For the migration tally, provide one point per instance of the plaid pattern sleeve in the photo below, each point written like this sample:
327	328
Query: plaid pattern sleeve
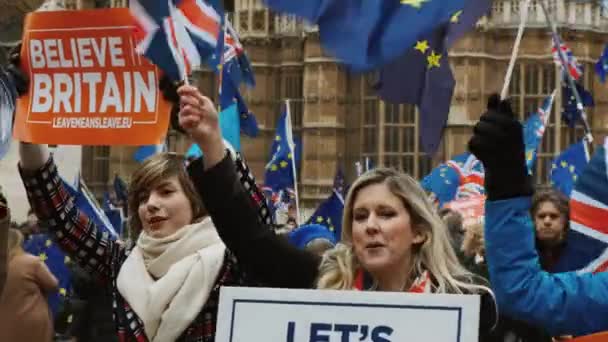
73	230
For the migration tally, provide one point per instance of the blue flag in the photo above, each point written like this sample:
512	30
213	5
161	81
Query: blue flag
570	114
567	167
144	152
279	170
42	246
442	182
301	236
114	214
369	33
329	213
534	129
423	76
85	201
587	241
601	66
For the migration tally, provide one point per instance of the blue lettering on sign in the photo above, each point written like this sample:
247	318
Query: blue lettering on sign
321	332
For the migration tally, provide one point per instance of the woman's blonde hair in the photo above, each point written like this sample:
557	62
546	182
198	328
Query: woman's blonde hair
151	173
15	243
435	254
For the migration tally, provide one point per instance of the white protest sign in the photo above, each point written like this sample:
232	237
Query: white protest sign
285	315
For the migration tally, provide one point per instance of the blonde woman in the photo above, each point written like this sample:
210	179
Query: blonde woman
24	311
392	238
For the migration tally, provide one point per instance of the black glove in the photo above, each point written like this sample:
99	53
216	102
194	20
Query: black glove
498	143
20	80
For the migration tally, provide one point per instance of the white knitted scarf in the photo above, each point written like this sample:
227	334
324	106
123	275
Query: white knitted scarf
167	281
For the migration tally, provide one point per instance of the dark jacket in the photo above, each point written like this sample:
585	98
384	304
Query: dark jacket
260	251
102	257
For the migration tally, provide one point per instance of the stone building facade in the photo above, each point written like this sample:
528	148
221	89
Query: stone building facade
341	120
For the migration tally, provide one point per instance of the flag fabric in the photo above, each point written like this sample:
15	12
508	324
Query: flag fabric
235	61
144	152
303	235
570	62
459	178
329	212
442	183
43	246
534	129
279	170
365	34
248	122
567	167
587	241
470	173
120	190
175	35
85	201
570	112
601	66
114	214
423	76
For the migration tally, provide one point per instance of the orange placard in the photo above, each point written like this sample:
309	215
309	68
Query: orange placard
88	86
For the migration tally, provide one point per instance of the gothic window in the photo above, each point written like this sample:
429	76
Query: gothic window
95	168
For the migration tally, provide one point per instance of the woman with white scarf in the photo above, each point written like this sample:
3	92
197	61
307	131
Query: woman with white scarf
165	286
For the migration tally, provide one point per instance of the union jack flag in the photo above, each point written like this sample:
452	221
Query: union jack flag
176	35
534	129
471	175
570	61
586	249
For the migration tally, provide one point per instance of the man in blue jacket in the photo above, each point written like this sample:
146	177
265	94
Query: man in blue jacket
563	303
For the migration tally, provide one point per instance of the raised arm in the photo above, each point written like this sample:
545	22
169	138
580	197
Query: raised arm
563	304
266	256
73	230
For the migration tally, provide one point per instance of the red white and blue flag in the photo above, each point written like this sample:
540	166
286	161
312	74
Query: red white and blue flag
570	61
586	249
177	34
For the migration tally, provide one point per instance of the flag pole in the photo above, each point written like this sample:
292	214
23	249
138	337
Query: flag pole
579	104
290	143
520	33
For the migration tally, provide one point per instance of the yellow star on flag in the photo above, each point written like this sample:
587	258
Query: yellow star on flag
434	60
564	164
48	243
571	168
63	292
66	260
456	17
422	46
331	228
288	155
274	167
43	256
277	138
319	219
284	164
414	3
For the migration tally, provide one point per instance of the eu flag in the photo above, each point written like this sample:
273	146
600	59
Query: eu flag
567	167
442	182
601	67
42	246
280	168
144	152
368	33
423	76
329	213
570	113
